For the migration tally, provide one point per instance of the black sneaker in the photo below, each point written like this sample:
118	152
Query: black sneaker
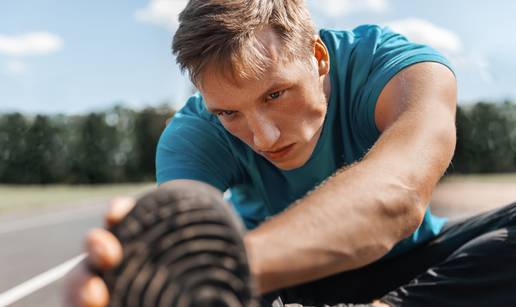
182	248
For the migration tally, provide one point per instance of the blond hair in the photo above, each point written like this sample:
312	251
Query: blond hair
224	33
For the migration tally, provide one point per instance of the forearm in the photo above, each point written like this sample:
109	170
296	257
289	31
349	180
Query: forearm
329	231
355	217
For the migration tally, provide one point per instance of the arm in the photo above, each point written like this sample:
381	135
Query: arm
361	212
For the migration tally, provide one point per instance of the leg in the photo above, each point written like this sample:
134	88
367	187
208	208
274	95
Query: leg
480	273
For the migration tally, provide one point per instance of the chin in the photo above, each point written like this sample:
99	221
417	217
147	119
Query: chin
290	165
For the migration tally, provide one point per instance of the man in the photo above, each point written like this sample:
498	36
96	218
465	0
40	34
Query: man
349	130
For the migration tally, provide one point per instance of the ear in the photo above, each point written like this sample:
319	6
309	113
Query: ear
322	56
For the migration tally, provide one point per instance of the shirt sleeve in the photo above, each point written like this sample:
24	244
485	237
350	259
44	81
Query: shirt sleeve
192	147
380	54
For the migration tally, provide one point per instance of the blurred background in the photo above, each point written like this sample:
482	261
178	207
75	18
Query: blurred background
87	86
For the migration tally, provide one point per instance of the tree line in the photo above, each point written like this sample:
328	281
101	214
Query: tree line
486	138
119	145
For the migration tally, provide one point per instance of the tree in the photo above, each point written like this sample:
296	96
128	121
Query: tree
484	139
44	152
93	151
149	125
14	149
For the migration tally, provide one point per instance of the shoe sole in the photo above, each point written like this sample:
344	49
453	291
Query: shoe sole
181	248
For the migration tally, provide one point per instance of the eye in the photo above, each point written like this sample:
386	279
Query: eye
275	95
225	113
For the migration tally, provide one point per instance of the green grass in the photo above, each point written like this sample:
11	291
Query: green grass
25	196
32	196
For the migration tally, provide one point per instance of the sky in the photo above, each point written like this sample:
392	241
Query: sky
80	56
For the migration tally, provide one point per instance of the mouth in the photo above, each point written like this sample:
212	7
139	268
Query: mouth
278	154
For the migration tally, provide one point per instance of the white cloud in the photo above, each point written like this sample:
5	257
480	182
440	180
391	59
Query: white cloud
16	67
337	8
446	41
474	64
162	13
422	31
165	12
30	44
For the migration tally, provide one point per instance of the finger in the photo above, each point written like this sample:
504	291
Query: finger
93	293
84	289
104	249
118	209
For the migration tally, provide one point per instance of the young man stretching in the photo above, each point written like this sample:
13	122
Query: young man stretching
349	130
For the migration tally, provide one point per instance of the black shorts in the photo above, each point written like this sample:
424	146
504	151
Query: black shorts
472	262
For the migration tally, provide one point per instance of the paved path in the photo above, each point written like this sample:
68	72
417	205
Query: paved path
458	199
34	244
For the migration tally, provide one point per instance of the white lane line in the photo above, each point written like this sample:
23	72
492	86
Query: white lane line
14	294
49	219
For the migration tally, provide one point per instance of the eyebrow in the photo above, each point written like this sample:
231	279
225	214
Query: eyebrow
274	87
215	111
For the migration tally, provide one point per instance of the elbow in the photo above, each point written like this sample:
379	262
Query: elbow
403	213
414	214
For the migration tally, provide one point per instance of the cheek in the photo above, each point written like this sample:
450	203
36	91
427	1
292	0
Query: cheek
311	124
318	108
318	114
311	112
239	130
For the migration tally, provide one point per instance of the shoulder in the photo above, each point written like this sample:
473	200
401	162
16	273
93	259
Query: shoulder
193	120
195	146
363	61
359	35
195	109
372	43
428	88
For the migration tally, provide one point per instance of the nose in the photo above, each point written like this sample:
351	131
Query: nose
265	132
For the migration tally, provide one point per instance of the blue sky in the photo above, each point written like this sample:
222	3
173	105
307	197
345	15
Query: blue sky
77	56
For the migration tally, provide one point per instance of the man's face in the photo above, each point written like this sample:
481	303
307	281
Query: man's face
280	115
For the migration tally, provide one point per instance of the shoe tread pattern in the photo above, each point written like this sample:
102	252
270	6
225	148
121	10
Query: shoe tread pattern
180	249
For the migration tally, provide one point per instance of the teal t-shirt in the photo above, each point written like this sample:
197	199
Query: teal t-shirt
196	146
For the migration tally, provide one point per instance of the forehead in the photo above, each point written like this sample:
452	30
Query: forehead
248	61
216	80
221	92
219	86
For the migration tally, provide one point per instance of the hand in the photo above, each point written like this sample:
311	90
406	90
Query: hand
104	252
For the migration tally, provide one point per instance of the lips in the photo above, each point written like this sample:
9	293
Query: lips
277	154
